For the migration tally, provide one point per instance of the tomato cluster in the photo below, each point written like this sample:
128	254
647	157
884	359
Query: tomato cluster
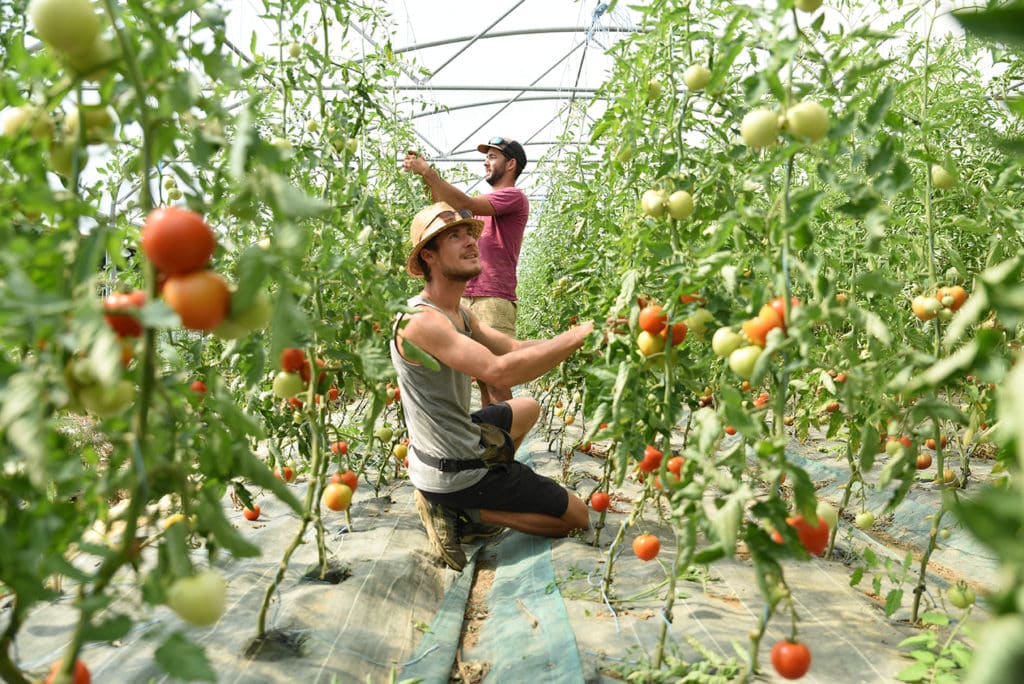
941	305
655	330
179	243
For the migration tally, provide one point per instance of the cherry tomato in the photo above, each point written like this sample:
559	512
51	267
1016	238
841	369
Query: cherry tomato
79	675
599	501
652	319
252	513
201	299
177	240
646	547
119	307
791	659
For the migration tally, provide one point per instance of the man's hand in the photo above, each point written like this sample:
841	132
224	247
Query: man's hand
414	163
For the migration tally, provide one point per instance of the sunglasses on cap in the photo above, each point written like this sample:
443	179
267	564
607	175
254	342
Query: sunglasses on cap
497	141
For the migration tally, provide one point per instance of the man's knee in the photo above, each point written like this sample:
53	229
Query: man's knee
576	516
525	412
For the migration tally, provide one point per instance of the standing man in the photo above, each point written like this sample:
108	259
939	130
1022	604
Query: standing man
462	492
504	211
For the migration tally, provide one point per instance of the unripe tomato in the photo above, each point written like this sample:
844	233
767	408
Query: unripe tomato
725	341
177	240
200	599
653	203
201	299
760	128
68	25
680	204
807	121
743	360
400	451
960	595
599	501
807	5
791	659
864	520
287	385
941	178
649	344
336	496
697	77
653	89
828	512
646	547
27	118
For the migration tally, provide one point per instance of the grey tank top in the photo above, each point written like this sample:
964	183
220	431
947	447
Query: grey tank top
436	405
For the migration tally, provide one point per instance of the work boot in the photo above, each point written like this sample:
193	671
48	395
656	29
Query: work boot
474	531
442	525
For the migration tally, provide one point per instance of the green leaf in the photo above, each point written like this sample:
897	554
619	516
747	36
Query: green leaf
183	659
932	618
417	355
892	601
913	673
109	630
1002	24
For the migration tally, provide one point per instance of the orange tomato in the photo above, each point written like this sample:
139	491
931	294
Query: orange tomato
646	547
652	319
201	299
679	331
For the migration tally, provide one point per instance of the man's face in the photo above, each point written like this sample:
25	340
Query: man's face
458	258
495	164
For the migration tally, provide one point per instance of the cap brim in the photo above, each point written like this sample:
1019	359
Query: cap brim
412	266
484	147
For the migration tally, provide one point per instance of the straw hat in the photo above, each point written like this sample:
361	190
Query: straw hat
432	221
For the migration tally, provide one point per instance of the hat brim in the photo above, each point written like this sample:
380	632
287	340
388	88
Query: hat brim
412	266
483	147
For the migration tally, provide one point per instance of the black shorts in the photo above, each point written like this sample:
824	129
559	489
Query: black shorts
510	486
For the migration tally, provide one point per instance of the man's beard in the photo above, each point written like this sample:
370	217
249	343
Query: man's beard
495	176
461	275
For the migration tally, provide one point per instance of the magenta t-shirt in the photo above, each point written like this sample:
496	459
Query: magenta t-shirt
499	245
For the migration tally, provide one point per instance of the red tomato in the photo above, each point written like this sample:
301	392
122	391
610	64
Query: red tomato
202	299
780	307
814	538
652	459
791	659
652	319
646	547
119	307
679	331
199	387
339	448
79	675
332	394
730	430
177	240
687	299
924	460
348	478
252	513
289	474
599	501
675	465
293	360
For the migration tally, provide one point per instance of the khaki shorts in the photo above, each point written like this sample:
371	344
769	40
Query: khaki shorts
498	313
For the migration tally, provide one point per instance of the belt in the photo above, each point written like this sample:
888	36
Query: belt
451	465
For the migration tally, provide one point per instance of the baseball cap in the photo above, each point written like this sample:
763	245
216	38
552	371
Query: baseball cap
432	220
509	148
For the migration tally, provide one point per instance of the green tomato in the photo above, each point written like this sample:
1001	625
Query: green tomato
864	520
653	203
760	128
960	595
200	599
829	513
653	89
725	341
68	25
941	178
743	360
697	322
29	119
384	434
107	401
697	77
807	121
287	385
807	5
680	204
